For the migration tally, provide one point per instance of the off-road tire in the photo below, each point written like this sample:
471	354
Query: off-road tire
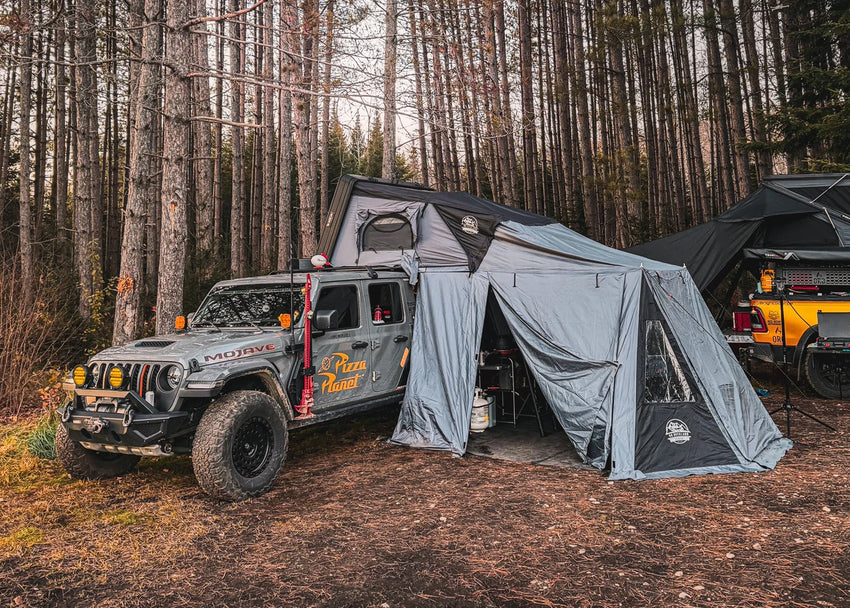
240	445
82	463
824	376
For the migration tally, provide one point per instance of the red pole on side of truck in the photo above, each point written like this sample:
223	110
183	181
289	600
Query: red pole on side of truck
305	408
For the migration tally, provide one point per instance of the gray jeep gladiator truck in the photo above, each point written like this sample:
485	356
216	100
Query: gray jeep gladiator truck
227	388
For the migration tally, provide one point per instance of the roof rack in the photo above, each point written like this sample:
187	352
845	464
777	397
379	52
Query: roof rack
338	269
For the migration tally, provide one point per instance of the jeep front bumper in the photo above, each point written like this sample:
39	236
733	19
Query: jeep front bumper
120	421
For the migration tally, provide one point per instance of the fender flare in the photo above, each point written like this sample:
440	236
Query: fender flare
809	336
266	374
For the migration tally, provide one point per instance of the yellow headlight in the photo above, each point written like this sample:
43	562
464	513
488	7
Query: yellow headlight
116	377
80	375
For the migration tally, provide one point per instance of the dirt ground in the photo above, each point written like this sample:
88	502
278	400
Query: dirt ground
354	521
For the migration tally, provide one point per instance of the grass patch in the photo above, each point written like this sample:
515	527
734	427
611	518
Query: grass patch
20	469
125	518
42	442
22	539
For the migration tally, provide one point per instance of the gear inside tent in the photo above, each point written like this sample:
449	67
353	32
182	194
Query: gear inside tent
620	350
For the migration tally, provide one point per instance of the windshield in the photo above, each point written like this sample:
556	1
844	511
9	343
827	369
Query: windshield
249	305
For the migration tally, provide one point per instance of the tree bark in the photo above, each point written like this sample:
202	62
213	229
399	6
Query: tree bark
142	184
529	130
420	109
86	187
238	260
269	218
731	46
589	198
288	23
24	178
202	140
324	194
175	176
60	162
303	136
388	165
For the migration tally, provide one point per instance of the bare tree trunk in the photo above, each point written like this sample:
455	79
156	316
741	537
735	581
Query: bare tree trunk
589	198
142	184
86	190
5	147
175	177
238	261
218	175
764	162
303	136
498	117
628	153
731	46
529	131
689	114
60	162
202	161
25	196
288	22
388	168
717	96
499	12
324	194
420	109
268	220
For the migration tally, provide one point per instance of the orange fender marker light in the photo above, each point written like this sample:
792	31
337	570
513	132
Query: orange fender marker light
285	320
180	323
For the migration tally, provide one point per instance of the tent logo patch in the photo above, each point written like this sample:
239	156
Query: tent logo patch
469	225
677	431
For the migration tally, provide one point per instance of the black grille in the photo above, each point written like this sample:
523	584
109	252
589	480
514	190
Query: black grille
139	377
154	343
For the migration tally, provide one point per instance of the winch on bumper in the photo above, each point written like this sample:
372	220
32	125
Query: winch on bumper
120	421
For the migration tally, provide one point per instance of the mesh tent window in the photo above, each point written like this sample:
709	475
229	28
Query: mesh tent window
391	231
664	378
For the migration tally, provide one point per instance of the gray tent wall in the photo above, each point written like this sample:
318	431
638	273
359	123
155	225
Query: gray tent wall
578	311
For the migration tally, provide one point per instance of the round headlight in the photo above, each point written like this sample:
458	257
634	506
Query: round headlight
173	375
80	375
116	377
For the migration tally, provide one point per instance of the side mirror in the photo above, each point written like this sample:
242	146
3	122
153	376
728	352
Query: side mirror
324	320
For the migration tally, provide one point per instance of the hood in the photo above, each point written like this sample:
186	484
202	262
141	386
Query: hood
205	346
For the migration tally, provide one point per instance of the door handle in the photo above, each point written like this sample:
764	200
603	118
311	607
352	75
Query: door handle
398	339
359	344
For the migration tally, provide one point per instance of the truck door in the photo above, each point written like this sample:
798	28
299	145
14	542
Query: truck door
341	355
390	329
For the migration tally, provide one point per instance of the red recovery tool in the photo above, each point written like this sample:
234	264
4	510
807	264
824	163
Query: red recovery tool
305	408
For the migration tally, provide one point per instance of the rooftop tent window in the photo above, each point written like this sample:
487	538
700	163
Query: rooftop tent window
664	377
387	232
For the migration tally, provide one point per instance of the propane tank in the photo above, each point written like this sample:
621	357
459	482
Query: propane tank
482	414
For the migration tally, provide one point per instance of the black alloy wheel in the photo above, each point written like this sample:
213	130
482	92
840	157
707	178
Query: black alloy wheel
240	445
252	446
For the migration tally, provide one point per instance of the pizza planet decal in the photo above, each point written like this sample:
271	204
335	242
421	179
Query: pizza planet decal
340	373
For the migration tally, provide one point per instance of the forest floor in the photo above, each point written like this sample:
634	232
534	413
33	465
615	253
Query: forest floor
354	521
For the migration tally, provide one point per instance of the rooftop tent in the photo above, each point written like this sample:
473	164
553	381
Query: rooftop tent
623	348
802	216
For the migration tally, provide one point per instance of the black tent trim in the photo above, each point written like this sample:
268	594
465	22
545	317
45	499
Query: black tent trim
453	207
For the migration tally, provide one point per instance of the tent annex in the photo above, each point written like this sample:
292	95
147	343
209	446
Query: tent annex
623	348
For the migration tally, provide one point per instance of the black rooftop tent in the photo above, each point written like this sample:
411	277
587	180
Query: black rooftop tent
623	348
797	217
